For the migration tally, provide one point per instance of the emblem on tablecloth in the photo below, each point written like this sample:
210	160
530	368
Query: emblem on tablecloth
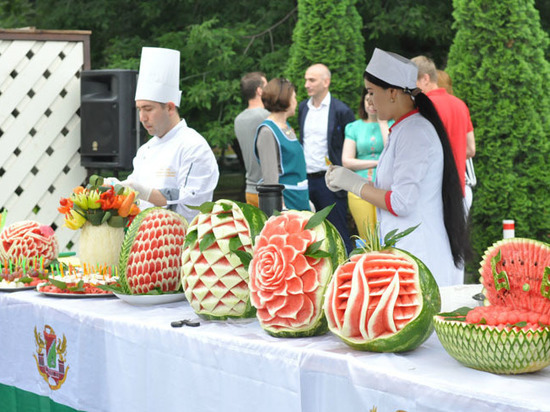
50	357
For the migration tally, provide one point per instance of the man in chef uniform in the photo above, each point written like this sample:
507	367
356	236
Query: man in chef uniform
176	168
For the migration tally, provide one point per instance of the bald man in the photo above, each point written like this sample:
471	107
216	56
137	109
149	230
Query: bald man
323	119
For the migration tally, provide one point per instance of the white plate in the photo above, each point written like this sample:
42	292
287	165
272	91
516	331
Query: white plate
151	299
17	289
77	295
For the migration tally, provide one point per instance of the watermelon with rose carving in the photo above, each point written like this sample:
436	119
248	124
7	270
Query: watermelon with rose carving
150	256
28	239
216	256
294	259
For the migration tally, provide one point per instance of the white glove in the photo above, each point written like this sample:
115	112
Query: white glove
144	192
340	178
111	181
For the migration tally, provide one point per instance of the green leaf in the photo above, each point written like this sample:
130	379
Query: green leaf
106	217
318	217
314	251
457	314
190	238
206	207
112	287
207	241
224	215
25	279
318	255
226	206
500	279
78	288
235	243
521	324
117	221
95	216
61	285
545	283
392	237
96	180
245	257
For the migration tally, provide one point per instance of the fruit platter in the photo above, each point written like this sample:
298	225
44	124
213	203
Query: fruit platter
20	275
79	282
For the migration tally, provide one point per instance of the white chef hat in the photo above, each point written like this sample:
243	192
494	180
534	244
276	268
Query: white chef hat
393	69
159	75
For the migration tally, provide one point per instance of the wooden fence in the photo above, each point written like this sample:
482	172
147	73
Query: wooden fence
40	124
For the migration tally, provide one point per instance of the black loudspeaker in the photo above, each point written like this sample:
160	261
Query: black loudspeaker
110	128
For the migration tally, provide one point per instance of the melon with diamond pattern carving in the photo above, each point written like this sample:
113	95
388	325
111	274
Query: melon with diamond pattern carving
217	251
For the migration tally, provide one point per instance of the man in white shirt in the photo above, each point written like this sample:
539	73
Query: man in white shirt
176	168
323	119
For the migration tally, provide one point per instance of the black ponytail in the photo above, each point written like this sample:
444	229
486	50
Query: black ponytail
454	215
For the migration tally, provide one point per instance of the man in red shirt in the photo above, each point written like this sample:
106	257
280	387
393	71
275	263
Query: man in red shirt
453	113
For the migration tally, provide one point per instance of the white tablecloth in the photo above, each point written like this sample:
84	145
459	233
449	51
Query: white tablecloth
128	358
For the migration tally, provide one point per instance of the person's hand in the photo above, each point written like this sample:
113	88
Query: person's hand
111	181
340	178
144	192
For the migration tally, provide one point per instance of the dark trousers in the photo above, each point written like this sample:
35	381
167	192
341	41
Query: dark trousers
321	196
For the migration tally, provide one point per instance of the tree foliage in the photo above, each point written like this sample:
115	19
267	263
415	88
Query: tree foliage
497	62
329	33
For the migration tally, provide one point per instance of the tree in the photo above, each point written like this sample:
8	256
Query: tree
497	62
408	27
330	33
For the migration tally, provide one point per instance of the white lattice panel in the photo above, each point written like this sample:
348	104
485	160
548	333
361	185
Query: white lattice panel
40	130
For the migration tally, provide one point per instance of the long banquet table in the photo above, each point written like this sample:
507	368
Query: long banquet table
120	357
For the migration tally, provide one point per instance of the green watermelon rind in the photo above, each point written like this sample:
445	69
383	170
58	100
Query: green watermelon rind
255	220
415	332
490	349
334	245
128	242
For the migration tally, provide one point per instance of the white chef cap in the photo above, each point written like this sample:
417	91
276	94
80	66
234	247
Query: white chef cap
393	69
159	76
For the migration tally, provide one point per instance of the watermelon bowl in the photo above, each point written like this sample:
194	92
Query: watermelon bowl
511	333
494	349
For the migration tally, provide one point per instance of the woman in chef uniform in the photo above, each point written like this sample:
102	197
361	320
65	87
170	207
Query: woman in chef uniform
176	167
416	181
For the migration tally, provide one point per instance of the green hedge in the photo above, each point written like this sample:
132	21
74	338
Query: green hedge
498	66
330	33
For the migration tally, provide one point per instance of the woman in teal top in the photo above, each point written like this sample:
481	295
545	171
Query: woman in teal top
279	152
365	140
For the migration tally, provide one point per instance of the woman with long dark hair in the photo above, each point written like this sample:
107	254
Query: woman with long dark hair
417	182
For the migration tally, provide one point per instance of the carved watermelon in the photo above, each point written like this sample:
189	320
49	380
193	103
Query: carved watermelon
382	301
28	239
294	259
512	334
215	260
150	256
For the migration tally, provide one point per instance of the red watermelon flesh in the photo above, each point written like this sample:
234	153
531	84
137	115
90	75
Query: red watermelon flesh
154	258
521	266
374	295
215	279
28	239
287	285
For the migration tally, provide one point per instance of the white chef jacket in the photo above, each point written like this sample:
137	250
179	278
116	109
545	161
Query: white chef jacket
411	167
181	159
